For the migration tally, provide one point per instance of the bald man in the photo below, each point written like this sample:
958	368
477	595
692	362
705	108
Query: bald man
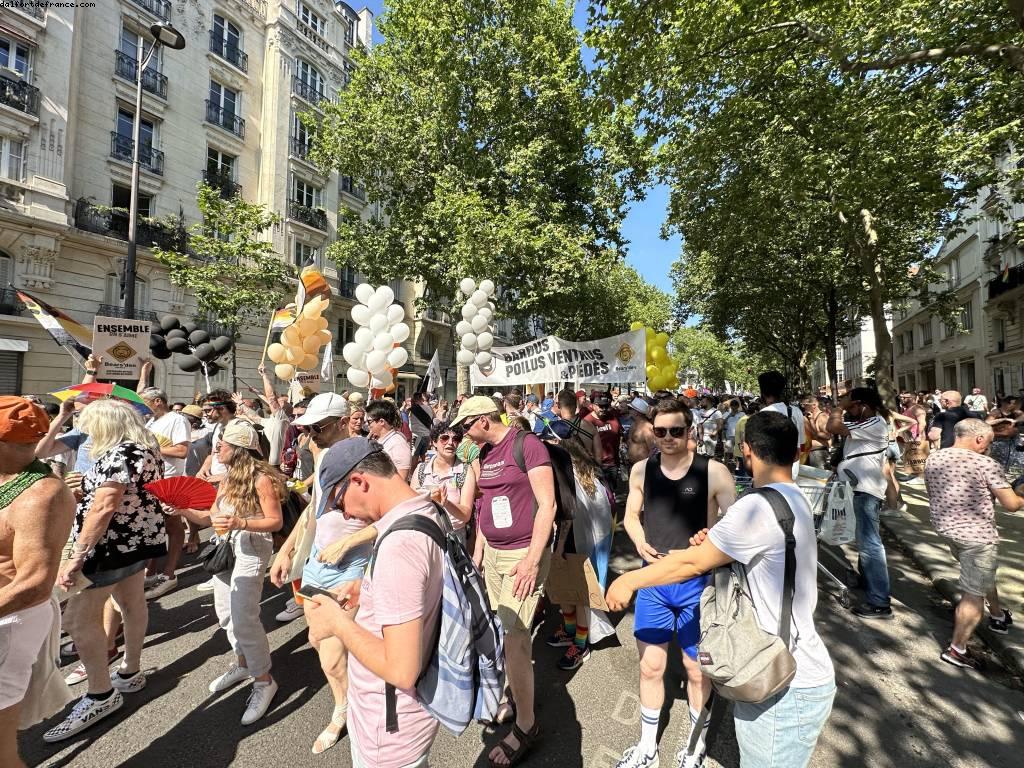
941	434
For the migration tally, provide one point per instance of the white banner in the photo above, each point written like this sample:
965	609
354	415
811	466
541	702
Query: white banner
121	343
615	360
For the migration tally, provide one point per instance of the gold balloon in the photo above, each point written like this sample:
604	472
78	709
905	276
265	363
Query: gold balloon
276	353
311	344
322	323
312	308
307	326
324	336
294	355
309	363
284	372
290	336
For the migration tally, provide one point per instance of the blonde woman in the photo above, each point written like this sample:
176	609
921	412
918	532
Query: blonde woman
355	422
119	526
247	511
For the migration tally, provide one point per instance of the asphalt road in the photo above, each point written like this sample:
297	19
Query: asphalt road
897	704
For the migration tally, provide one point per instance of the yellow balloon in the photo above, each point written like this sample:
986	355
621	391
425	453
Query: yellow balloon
324	336
636	325
668	370
276	352
656	383
311	344
650	334
312	308
658	354
662	339
309	363
284	372
322	323
294	355
307	326
290	336
652	372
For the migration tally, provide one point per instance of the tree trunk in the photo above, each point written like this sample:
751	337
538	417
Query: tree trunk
234	359
883	339
831	341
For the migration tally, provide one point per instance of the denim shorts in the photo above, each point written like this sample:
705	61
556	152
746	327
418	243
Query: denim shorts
978	563
109	578
331	576
782	731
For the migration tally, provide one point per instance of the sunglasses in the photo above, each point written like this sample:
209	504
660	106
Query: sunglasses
316	429
447	438
674	431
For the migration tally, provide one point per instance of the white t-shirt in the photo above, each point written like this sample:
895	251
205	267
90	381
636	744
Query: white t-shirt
731	420
712	422
795	415
977	403
750	534
397	447
175	428
217	467
870	437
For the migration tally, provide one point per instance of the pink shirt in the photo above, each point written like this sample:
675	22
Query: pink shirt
426	476
405	585
397	447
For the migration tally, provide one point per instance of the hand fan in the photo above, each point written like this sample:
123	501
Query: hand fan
163	440
183	492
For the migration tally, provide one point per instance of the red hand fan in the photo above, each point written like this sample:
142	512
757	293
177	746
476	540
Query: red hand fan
183	492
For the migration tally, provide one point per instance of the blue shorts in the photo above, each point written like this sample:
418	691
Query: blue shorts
661	612
331	576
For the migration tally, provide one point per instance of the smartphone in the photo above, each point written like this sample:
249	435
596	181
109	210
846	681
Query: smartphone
308	591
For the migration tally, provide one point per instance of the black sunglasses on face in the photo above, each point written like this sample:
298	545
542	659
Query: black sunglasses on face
318	428
674	431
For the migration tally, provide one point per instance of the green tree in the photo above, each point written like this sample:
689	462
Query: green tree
715	360
468	125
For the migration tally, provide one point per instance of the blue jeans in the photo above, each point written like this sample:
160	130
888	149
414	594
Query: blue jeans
871	552
782	731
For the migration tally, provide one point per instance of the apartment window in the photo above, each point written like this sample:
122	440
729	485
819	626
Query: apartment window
131	42
926	333
346	333
304	254
949	376
220	162
312	81
306	194
999	332
350	30
224	99
899	344
125	120
121	198
227	33
310	19
967	380
15	55
908	341
303	136
12	157
428	344
112	291
967	317
953	272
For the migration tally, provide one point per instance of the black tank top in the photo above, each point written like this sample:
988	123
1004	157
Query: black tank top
674	510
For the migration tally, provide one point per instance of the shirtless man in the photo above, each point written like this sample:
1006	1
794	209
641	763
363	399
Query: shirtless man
817	420
36	512
640	442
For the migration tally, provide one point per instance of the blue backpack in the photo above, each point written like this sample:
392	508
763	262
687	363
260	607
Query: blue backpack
465	677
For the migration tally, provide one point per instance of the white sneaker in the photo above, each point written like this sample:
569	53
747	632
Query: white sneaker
230	679
161	586
86	712
291	612
259	701
206	586
696	760
132	684
634	758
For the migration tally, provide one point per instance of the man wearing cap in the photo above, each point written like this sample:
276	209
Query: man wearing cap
517	515
383	423
36	513
219	409
609	437
640	440
390	639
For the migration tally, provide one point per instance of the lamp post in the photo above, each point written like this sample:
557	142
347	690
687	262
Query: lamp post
163	34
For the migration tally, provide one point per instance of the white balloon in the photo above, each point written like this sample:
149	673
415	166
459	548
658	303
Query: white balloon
467	286
353	354
486	313
464	357
382	381
398	357
487	286
363	292
469	342
385	295
492	306
479	298
400	332
378	323
483	359
376	304
396	313
383	341
485	341
462	328
376	361
358	377
360	314
363	338
469	311
479	323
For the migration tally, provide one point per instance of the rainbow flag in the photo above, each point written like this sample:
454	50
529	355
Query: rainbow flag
1006	271
312	284
282	318
67	332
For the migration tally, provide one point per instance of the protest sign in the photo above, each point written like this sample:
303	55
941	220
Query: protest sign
572	581
122	344
308	380
613	360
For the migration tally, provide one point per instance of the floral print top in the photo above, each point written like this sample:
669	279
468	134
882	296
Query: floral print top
136	531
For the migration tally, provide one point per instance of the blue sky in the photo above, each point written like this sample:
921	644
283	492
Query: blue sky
651	255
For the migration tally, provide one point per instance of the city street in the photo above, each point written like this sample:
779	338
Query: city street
897	704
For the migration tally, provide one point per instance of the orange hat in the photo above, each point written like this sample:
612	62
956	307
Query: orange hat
22	421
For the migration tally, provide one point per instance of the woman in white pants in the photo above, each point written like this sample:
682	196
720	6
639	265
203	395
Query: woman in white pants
248	511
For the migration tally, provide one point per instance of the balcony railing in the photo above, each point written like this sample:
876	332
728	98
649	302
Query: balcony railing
9	302
21	96
312	35
300	147
308	92
313	217
348	186
1014	279
222	180
30	8
113	310
159	8
150	159
347	289
224	118
113	222
228	51
213	328
154	82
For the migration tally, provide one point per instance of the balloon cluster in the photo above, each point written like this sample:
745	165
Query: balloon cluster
662	370
375	353
195	347
299	347
476	328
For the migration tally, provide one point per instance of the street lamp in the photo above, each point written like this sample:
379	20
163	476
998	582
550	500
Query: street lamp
163	34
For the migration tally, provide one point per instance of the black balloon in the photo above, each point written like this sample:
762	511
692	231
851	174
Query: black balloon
222	344
169	323
177	333
212	369
198	337
156	341
161	353
189	326
177	343
188	363
205	352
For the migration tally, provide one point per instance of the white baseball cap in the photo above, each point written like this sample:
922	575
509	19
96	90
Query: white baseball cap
327	405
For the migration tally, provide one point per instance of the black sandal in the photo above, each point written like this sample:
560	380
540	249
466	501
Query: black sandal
506	714
517	755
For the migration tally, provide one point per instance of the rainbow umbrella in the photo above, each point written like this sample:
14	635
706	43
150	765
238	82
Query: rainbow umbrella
107	390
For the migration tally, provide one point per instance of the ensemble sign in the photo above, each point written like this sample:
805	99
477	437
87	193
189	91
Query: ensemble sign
123	345
614	360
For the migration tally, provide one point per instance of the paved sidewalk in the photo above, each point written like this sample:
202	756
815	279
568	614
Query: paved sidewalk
914	531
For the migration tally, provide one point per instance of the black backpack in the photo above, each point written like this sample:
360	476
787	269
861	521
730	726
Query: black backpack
561	468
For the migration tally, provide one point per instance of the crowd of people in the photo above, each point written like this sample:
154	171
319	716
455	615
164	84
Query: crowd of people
307	494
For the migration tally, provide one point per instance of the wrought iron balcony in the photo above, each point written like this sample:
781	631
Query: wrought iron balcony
225	118
150	159
347	289
222	180
308	92
21	96
300	147
113	222
113	310
997	286
313	217
312	35
154	82
30	8
159	8
228	51
347	185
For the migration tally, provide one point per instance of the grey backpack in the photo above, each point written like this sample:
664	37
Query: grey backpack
744	662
